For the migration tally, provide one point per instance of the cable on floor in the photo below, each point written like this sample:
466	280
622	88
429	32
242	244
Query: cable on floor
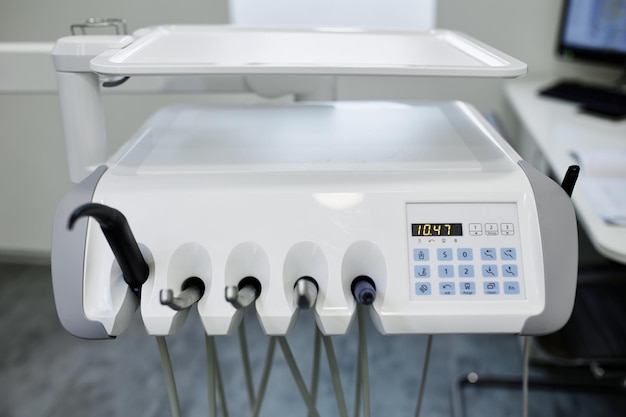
245	358
297	376
525	365
267	367
420	396
315	372
214	379
363	369
168	372
335	375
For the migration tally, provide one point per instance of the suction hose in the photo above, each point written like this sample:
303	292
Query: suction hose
121	240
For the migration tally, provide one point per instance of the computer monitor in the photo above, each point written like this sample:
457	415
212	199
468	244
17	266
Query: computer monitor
594	31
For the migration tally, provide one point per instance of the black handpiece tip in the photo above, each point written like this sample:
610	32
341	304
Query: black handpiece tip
364	290
367	296
569	181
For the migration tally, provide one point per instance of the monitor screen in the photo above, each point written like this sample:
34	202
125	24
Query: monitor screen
593	30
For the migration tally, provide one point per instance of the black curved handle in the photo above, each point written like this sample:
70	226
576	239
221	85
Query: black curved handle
121	240
569	181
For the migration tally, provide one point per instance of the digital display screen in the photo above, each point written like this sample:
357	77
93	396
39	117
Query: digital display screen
595	25
593	30
437	229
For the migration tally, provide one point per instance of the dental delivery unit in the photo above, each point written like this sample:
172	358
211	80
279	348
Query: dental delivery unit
419	210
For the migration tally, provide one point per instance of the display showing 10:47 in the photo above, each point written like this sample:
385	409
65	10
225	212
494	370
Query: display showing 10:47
437	229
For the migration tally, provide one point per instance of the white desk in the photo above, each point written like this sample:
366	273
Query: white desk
557	128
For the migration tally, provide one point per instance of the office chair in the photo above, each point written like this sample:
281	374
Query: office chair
595	335
588	355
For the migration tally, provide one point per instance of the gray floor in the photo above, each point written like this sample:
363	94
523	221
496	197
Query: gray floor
46	372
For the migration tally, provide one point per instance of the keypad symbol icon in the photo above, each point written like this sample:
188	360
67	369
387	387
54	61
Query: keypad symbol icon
422	289
488	254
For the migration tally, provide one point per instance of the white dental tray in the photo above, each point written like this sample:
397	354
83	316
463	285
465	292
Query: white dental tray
203	49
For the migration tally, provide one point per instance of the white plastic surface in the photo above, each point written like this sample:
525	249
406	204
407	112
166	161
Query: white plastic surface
259	199
72	53
83	122
330	137
188	49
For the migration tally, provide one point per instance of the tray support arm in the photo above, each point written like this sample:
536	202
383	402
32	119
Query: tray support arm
81	106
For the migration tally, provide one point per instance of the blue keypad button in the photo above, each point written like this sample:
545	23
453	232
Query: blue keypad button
446	271
444	254
422	289
508	254
446	288
464	254
509	271
420	255
491	288
421	271
466	271
511	287
490	271
488	254
467	288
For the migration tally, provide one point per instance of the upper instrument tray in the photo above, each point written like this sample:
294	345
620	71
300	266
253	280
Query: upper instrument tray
199	49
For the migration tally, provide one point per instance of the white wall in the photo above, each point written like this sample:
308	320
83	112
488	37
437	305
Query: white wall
33	174
42	20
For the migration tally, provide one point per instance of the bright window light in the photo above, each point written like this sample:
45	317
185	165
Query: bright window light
379	14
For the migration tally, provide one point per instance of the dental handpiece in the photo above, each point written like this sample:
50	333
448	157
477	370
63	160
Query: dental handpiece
244	294
305	292
364	290
192	291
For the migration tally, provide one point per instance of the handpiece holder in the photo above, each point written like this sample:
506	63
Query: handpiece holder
121	240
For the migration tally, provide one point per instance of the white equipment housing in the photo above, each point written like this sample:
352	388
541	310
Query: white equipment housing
425	198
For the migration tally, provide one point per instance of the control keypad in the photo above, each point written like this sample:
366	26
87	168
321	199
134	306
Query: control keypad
449	272
483	263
